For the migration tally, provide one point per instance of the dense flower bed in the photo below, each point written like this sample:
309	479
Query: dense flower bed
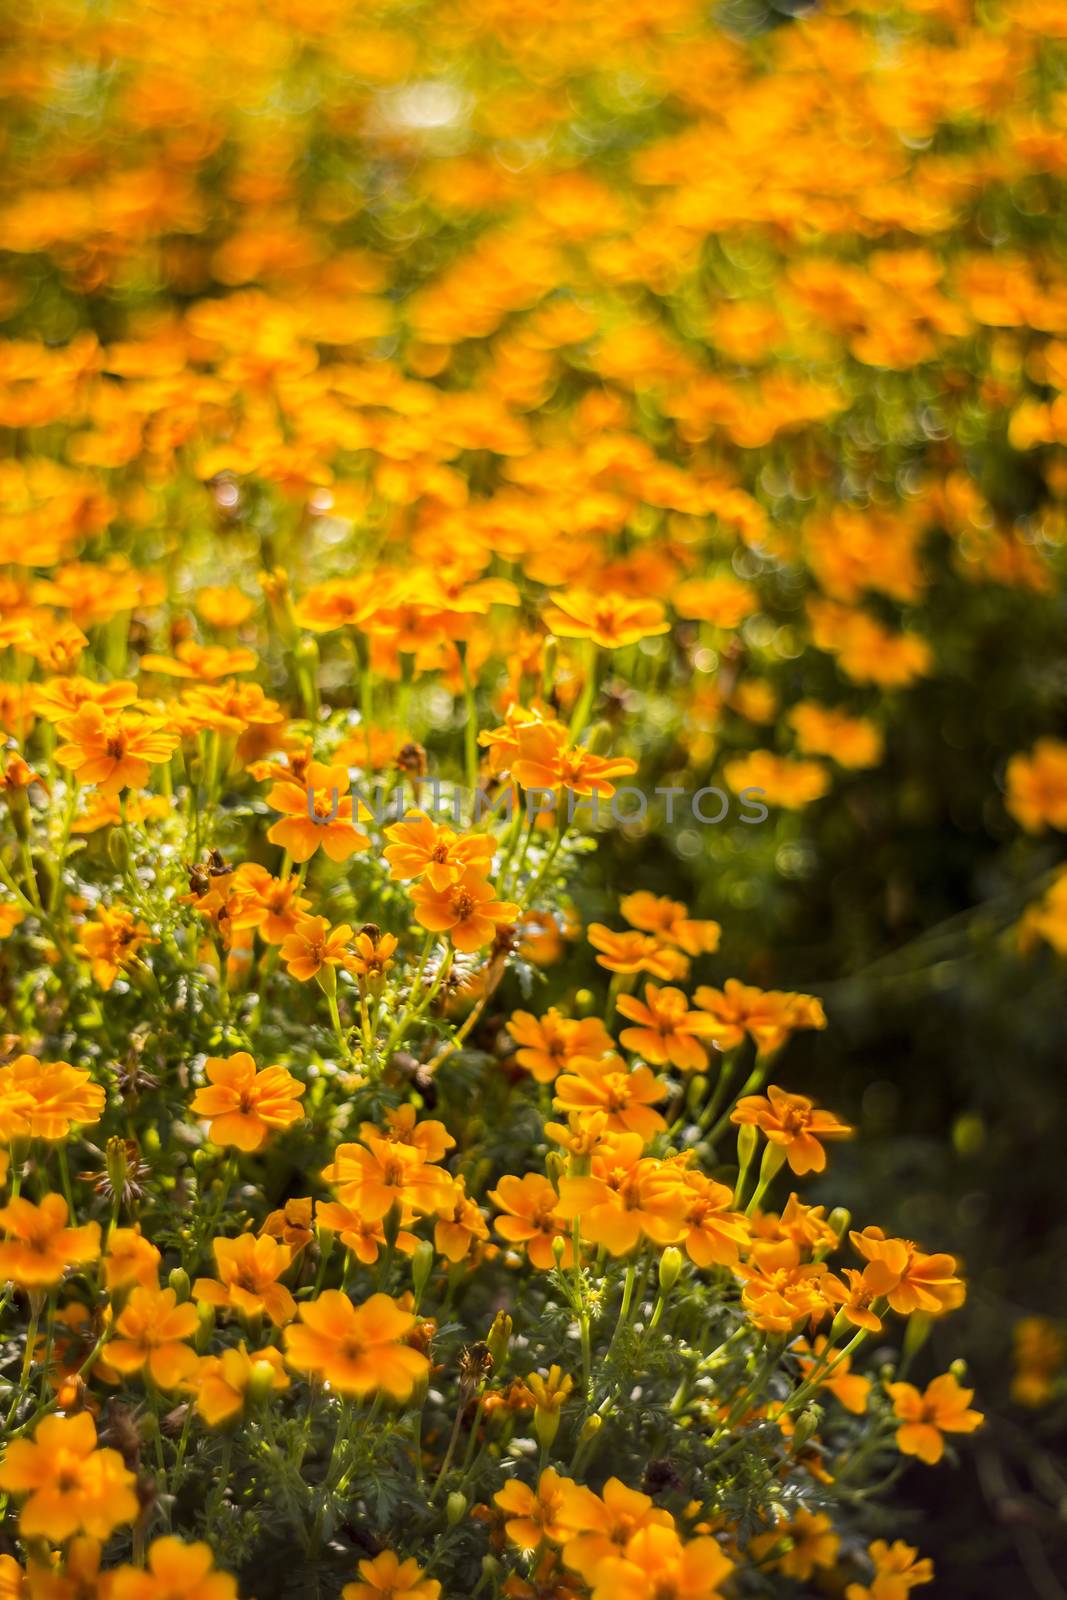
448	448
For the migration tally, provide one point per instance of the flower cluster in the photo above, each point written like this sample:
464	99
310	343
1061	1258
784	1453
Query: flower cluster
473	402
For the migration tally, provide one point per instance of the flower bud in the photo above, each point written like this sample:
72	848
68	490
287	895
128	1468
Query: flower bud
559	1250
670	1265
179	1282
206	1327
118	849
546	1425
421	1267
807	1425
694	1095
455	1508
590	1428
839	1220
260	1382
499	1338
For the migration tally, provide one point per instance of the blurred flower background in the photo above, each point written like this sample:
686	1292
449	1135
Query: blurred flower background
699	373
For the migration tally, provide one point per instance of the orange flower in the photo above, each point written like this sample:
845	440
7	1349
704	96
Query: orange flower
610	620
598	1526
850	1388
374	1176
115	751
130	1259
863	1288
791	1120
668	1030
627	1096
389	1578
244	1106
669	919
656	1565
365	1237
314	947
544	762
113	942
430	850
766	1015
897	1568
944	1407
316	812
467	910
249	1268
270	905
626	1197
812	1543
72	1487
715	1232
922	1283
1037	786
532	1517
222	1382
779	780
356	1349
551	1043
205	661
43	1099
150	1331
459	1224
636	952
175	1571
532	1219
39	1246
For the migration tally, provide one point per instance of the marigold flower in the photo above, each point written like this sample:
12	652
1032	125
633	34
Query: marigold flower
371	956
792	1121
467	910
38	1246
715	1233
924	1283
668	1030
780	780
543	761
374	1176
71	1486
598	1526
897	1569
626	1095
551	1043
364	1236
356	1349
130	1259
316	812
222	1382
149	1332
313	947
270	905
44	1099
669	919
245	1106
766	1015
113	941
421	848
389	1578
175	1571
532	1219
813	1544
625	1198
114	750
610	620
636	952
532	1515
459	1224
249	1268
1037	786
943	1407
655	1562
850	1388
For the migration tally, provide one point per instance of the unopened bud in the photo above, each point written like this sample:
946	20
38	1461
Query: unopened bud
205	1327
590	1428
118	848
499	1338
421	1267
559	1249
179	1282
670	1266
260	1382
839	1220
455	1508
807	1426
